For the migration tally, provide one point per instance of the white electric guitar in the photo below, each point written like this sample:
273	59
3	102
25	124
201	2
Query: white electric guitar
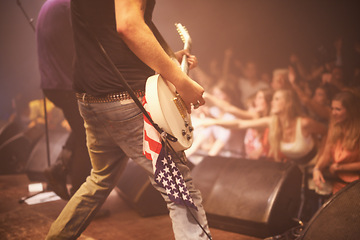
165	105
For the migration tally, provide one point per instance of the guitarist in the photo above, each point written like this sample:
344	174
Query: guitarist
114	124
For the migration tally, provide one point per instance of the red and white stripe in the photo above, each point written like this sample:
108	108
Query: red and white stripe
151	139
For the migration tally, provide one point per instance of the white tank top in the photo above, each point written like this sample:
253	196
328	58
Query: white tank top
300	147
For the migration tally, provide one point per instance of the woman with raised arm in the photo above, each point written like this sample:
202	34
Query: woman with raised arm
290	132
254	139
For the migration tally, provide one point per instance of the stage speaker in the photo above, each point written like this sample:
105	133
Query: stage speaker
338	218
252	197
15	150
14	153
135	188
38	159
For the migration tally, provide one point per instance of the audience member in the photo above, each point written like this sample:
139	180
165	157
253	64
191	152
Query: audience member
316	102
249	83
255	140
335	77
280	79
341	156
211	139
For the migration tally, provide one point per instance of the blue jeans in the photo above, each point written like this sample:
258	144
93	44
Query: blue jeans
114	134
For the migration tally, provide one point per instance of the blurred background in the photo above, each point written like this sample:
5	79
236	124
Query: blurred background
265	31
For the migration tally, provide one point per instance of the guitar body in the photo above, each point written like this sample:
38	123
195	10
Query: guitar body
168	111
166	107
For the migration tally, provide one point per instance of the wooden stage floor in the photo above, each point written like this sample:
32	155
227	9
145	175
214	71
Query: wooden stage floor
20	221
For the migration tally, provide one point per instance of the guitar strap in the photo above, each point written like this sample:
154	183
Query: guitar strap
161	40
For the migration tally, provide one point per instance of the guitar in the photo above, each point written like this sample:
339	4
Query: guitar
165	105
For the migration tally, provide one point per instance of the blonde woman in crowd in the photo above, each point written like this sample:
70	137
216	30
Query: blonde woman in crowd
290	132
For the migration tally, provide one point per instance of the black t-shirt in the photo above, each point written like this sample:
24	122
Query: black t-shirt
93	74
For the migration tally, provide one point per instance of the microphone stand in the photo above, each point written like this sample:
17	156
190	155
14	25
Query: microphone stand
31	21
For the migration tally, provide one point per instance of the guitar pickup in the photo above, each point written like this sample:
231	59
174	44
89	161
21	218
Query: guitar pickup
180	105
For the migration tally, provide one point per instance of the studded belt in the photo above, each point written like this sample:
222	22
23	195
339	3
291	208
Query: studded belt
123	97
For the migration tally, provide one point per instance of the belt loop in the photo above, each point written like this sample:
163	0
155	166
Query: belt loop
83	97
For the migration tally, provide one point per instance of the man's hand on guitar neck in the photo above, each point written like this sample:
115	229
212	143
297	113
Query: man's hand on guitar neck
191	59
189	90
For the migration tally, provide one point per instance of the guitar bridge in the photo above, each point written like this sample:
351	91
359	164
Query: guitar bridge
180	104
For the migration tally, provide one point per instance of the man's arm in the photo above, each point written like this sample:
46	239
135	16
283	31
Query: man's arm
139	38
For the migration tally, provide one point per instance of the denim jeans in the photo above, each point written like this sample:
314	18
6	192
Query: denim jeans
114	134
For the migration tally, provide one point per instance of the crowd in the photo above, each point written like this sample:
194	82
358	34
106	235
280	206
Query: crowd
306	113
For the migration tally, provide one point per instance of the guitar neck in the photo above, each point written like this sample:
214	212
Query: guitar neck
185	37
184	62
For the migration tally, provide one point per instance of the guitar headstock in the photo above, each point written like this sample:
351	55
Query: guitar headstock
184	34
